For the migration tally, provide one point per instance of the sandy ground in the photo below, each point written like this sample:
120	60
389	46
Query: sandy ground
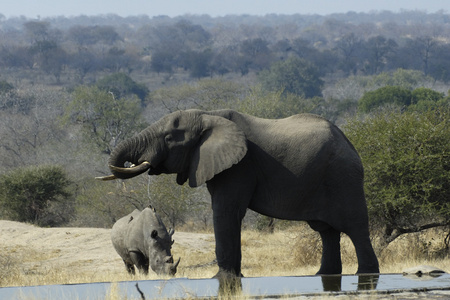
83	249
88	250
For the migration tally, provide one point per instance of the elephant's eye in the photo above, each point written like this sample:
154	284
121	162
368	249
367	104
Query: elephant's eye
169	138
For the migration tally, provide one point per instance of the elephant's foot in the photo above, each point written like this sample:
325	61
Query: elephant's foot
229	283
224	274
374	269
335	270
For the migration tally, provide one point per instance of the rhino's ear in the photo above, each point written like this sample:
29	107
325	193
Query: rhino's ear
154	234
222	145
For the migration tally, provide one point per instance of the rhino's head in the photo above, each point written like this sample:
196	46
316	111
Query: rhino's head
159	244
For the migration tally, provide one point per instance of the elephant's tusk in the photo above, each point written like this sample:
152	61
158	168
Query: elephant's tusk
132	170
105	178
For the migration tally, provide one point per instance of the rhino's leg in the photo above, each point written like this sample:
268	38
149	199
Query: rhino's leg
129	267
139	261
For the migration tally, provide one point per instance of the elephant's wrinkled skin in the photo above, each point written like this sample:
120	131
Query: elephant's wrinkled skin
141	239
298	168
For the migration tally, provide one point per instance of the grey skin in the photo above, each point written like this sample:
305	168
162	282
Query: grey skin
142	240
297	168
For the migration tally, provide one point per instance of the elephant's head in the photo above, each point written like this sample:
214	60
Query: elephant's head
194	144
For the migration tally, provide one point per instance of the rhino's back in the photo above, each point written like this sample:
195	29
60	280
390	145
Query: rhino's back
119	233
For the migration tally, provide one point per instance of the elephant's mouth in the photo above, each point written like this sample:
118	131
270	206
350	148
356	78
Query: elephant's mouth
130	171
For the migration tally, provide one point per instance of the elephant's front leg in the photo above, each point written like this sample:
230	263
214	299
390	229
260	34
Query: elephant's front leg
231	192
227	231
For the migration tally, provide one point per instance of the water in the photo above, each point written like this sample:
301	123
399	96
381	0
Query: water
250	287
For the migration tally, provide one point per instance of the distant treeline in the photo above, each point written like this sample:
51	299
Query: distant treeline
202	46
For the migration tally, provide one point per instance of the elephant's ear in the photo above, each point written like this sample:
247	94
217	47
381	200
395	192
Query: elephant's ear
222	145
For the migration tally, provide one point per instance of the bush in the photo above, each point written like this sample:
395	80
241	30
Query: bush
385	95
406	157
121	85
294	75
37	194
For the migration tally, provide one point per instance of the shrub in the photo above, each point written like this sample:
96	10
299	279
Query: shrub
406	157
37	194
385	95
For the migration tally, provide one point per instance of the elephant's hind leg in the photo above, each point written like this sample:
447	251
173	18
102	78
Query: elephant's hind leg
331	252
367	260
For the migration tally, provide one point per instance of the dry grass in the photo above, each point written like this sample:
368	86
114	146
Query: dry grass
291	252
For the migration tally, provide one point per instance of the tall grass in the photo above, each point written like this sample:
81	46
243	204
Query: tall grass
293	251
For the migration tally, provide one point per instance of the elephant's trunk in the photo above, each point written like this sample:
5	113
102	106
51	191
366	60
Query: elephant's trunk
129	152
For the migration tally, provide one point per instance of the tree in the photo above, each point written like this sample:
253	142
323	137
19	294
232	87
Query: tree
105	119
29	123
425	99
175	202
385	95
425	94
90	35
206	94
162	61
294	75
406	157
37	194
198	63
378	51
350	48
122	85
37	31
256	54
422	49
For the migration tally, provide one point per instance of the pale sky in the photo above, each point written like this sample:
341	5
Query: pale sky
214	8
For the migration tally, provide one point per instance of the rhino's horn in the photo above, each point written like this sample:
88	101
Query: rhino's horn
175	265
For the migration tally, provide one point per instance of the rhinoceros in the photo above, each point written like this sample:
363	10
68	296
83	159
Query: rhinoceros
142	240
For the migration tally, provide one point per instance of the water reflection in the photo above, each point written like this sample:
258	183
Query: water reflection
184	288
330	283
333	283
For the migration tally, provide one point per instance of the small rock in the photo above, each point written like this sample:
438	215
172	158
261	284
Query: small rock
424	270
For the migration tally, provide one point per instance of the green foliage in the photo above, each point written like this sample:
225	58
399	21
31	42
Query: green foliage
420	99
425	99
386	95
175	202
406	157
207	94
294	75
425	94
5	87
101	204
272	104
37	194
408	79
121	85
105	119
14	102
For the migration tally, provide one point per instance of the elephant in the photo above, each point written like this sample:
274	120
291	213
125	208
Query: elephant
141	239
297	168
